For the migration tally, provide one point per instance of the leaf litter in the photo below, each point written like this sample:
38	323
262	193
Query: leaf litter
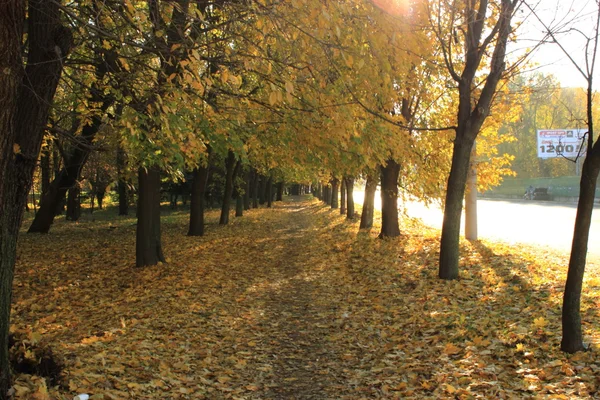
292	302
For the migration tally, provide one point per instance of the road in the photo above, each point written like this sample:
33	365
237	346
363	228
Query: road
537	223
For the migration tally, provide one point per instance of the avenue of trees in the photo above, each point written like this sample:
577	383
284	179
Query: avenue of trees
240	97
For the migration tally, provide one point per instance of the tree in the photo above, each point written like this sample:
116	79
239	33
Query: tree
572	339
483	24
25	102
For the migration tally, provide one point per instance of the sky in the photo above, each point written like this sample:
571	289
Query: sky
570	19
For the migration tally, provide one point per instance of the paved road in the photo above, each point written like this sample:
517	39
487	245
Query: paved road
538	223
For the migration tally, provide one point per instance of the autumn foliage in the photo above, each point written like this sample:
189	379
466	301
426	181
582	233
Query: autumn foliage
293	302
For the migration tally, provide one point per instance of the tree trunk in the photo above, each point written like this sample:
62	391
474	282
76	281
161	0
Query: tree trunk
455	193
343	197
122	183
334	193
196	227
12	15
45	168
74	204
572	337
255	188
262	194
280	187
350	197
389	200
25	100
572	340
239	206
247	186
148	238
231	166
327	194
366	217
100	198
269	192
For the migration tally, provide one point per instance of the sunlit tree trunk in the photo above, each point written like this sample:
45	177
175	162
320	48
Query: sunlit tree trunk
350	197
572	339
366	217
343	197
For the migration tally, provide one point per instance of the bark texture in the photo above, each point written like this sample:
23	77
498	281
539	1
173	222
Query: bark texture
335	183
572	336
350	197
389	200
231	166
366	217
343	194
148	246
26	97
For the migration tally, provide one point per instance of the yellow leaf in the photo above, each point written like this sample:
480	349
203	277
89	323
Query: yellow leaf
42	392
224	76
540	322
289	87
35	337
16	148
451	349
349	61
273	98
450	389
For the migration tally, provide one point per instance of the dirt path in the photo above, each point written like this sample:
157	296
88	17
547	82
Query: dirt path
297	319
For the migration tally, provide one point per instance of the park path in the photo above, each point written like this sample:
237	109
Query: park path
297	304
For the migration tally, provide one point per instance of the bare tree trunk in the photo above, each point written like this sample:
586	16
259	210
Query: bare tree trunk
334	193
25	100
455	193
148	237
343	197
350	197
74	204
389	199
572	340
247	186
269	194
366	218
231	166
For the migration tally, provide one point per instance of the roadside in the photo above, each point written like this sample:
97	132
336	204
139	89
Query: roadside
544	224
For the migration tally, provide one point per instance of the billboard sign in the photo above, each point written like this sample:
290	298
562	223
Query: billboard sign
561	143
